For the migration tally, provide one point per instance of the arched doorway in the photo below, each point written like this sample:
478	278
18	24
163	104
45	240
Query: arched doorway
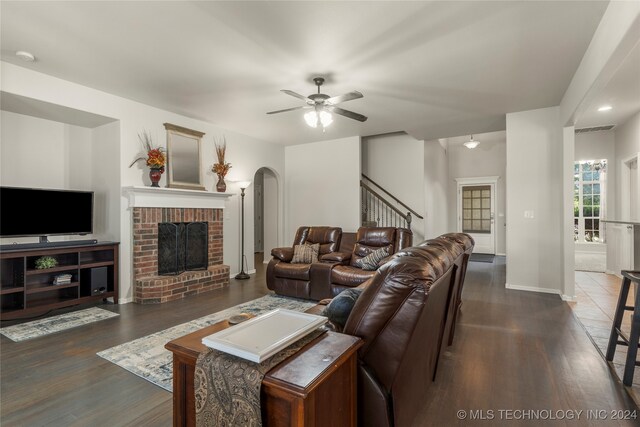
265	213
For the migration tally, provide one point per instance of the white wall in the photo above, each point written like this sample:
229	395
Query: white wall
535	246
595	145
487	159
245	153
396	162
271	196
40	153
33	152
627	144
105	180
436	183
322	185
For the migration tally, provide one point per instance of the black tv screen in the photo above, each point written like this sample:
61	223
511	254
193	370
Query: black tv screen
40	212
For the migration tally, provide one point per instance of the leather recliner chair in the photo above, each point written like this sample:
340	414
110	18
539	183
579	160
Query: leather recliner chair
295	279
401	317
368	239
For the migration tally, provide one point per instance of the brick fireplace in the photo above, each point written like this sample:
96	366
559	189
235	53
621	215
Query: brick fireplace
151	287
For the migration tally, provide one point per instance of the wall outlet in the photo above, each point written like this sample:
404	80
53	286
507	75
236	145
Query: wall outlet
528	214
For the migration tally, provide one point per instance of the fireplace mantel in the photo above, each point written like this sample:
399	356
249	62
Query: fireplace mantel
154	197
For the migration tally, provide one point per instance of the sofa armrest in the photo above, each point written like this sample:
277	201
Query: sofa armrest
339	257
320	278
283	254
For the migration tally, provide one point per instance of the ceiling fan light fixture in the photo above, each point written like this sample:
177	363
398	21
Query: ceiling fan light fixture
324	106
471	144
323	118
311	118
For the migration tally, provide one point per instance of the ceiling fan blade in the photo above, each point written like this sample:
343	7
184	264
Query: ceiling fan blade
347	113
343	98
302	107
297	95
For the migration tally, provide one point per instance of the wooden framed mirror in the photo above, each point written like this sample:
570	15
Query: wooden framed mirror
184	149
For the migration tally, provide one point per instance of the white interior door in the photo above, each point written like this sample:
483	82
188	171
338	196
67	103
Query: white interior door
476	212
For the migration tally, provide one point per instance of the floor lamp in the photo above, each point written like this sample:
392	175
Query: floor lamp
242	275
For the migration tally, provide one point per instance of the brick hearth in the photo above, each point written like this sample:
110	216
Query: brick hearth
152	288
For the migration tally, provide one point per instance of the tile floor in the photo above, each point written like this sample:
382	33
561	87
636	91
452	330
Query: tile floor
588	261
597	296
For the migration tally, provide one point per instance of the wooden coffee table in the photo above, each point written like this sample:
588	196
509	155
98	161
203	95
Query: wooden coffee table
314	387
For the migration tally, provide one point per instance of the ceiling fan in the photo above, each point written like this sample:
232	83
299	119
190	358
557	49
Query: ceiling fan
322	106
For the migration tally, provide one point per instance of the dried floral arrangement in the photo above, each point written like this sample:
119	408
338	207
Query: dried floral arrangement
156	159
221	168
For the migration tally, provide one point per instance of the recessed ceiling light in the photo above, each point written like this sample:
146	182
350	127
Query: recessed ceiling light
25	56
605	108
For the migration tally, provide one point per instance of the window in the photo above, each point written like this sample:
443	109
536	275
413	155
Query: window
589	179
476	209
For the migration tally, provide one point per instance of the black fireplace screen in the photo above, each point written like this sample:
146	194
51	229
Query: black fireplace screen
182	246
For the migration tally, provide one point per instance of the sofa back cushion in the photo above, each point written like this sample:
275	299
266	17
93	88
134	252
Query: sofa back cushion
327	237
369	239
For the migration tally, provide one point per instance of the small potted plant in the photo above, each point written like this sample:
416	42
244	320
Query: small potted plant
156	159
45	262
221	168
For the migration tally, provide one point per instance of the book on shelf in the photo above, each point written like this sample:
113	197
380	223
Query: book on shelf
62	279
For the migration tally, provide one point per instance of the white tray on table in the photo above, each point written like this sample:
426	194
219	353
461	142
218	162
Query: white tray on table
259	338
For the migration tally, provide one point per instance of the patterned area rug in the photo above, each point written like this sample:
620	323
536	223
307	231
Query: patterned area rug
50	325
147	357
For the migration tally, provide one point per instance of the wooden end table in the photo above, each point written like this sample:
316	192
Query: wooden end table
314	387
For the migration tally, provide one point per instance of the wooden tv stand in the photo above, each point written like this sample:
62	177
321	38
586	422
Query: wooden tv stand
314	387
27	291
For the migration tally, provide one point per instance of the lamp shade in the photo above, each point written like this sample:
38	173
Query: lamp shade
243	184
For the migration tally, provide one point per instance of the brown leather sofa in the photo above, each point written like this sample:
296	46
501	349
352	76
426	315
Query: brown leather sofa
295	279
335	269
402	315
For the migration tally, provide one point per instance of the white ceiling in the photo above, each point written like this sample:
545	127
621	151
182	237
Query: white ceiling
622	93
432	69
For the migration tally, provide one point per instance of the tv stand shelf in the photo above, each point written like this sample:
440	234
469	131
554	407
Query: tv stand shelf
27	291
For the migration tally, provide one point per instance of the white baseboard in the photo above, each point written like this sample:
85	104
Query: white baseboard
500	254
125	300
543	290
267	261
532	289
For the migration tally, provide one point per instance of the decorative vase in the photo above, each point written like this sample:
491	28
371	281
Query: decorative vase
221	186
155	174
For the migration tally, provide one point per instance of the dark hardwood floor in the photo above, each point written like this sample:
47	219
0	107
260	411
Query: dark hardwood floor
513	350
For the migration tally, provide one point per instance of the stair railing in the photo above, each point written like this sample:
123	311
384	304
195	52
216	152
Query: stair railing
378	211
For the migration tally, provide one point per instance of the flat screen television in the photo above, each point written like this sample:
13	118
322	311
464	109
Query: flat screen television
45	212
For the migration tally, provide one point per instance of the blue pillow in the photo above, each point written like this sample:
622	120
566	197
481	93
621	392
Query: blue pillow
340	307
